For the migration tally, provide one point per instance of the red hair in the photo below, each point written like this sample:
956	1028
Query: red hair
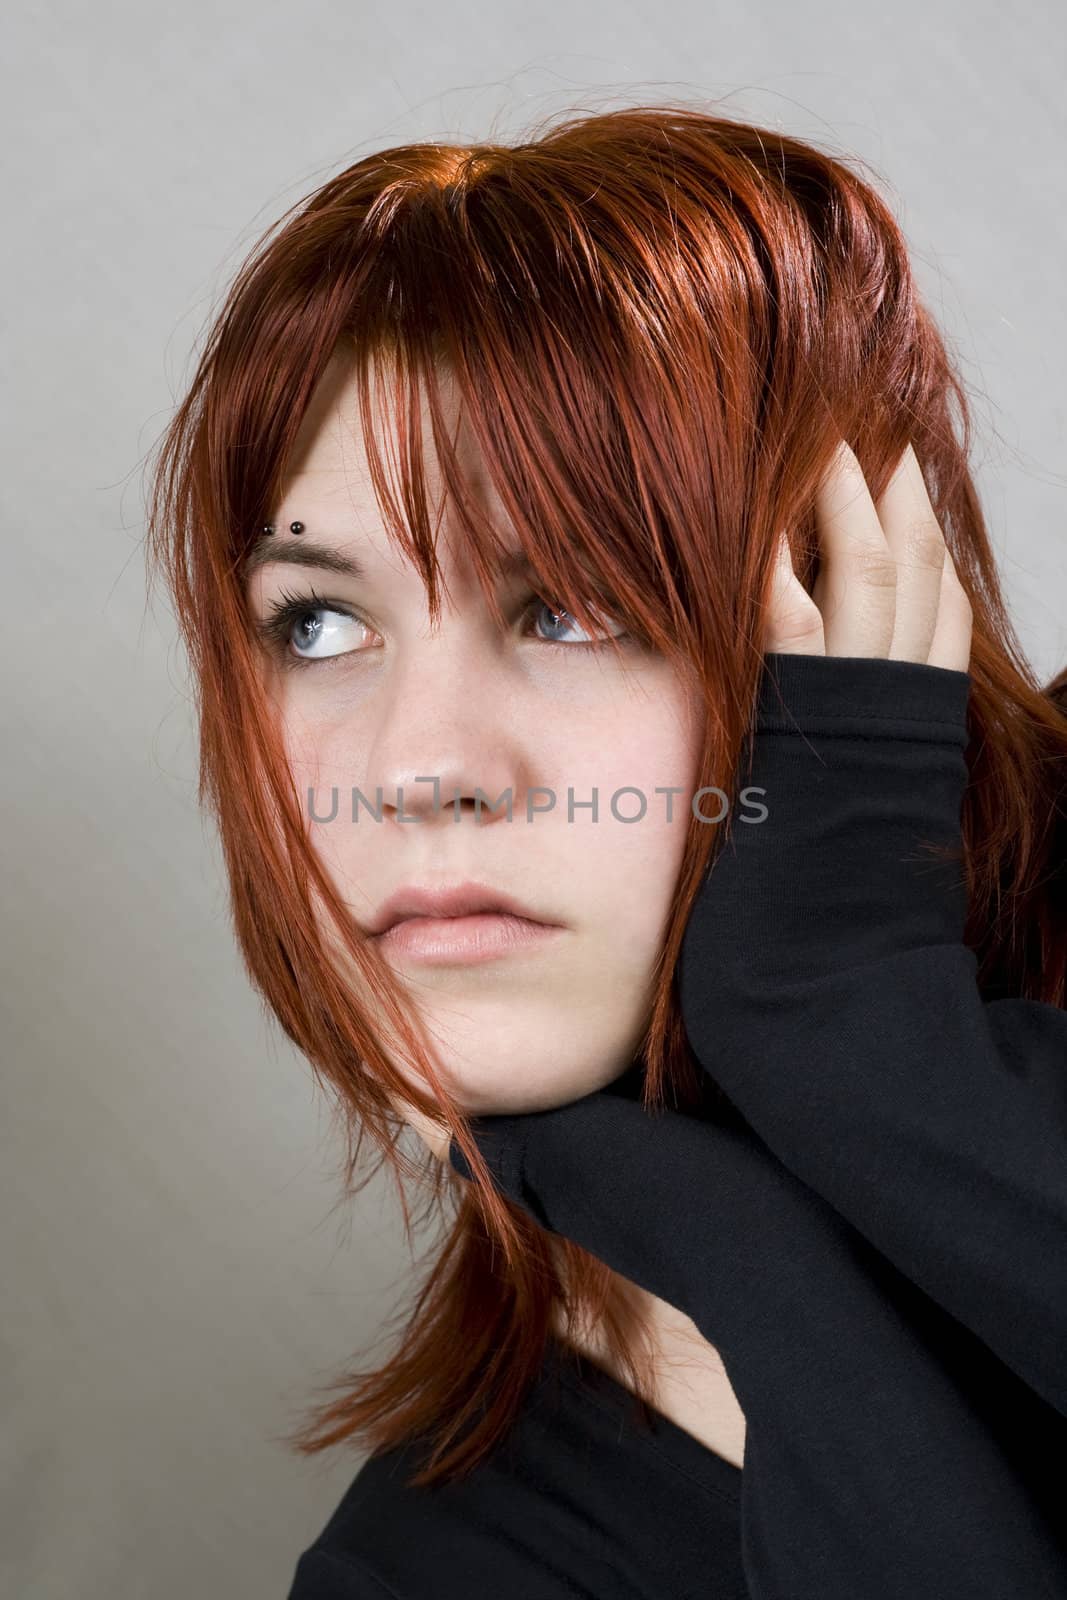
660	322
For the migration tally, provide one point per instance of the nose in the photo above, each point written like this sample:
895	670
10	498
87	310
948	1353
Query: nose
445	743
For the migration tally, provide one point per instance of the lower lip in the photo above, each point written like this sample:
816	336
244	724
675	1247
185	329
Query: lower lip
461	941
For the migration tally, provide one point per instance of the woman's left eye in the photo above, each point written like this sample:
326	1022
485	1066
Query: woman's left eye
562	618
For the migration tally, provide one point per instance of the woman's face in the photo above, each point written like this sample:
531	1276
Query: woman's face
371	698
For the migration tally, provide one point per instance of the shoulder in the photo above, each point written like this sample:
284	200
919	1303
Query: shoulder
325	1574
391	1537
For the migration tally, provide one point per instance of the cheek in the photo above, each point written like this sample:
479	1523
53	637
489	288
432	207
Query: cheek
642	762
325	766
322	753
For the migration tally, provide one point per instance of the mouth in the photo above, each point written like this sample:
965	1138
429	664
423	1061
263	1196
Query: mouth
453	901
463	941
459	924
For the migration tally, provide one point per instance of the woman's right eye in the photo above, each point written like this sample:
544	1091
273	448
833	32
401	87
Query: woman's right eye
306	629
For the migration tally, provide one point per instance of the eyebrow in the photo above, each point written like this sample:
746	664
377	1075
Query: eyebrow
304	552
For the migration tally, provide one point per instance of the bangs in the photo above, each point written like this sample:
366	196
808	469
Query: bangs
550	299
558	528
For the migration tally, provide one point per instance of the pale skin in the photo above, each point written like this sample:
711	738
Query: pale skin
395	700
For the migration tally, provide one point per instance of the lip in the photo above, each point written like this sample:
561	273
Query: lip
464	941
458	901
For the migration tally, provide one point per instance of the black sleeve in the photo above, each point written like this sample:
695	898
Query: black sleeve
825	987
324	1575
868	1470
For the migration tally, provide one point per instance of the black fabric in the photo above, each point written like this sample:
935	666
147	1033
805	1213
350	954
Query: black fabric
871	1229
585	1498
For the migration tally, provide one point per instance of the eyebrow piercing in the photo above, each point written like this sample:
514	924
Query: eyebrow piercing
294	527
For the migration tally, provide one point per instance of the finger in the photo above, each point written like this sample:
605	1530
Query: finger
914	537
793	623
951	645
856	586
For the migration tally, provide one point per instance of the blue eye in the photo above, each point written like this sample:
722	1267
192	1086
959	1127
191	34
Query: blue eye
323	631
304	630
563	618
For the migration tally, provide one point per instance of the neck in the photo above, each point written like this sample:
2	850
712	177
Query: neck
690	1384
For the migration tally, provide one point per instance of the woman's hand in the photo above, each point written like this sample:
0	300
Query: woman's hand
824	978
887	585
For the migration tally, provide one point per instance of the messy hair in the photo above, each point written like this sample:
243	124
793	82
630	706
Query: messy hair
659	323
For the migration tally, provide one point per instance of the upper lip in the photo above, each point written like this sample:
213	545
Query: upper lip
456	900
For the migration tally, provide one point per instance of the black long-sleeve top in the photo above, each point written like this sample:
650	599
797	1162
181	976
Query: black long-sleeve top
871	1229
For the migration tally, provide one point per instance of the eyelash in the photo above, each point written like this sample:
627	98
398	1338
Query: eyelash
283	612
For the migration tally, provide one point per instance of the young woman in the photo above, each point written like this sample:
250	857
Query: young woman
649	805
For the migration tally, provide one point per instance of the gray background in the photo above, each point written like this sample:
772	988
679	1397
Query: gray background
174	1279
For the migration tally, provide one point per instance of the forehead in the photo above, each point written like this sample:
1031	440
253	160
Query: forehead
329	459
329	487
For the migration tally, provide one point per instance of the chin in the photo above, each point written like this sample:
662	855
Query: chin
501	1089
